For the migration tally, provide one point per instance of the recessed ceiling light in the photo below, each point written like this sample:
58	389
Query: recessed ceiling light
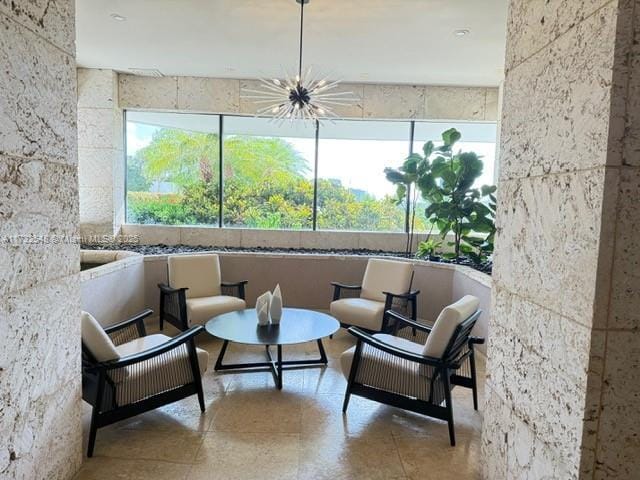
461	32
118	18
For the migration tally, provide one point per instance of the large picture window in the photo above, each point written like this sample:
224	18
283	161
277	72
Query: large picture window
353	193
172	171
475	137
273	175
268	174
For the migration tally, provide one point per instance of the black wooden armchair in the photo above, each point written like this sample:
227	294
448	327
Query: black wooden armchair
196	292
144	373
397	370
386	286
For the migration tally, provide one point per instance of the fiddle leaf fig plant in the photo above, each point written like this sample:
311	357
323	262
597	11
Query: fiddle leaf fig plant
445	180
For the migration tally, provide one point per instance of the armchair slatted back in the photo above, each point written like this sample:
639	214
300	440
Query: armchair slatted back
458	345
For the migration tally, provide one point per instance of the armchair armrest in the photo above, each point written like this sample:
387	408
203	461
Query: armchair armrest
337	286
129	329
166	289
137	320
402	321
152	352
239	285
364	337
406	296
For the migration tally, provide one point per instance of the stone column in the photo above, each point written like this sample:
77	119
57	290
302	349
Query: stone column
564	347
100	153
40	406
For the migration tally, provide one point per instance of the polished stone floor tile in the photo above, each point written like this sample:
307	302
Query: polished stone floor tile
104	468
337	457
259	411
181	415
250	430
322	414
177	446
324	380
431	458
247	456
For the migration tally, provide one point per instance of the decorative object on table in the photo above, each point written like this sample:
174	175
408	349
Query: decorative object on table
263	303
304	97
276	305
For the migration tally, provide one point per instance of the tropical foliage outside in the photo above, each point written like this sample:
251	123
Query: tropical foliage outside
266	184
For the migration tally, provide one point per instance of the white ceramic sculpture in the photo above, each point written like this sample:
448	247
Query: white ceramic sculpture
276	305
263	303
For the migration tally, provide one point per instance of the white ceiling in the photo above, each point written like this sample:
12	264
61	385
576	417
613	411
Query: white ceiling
390	41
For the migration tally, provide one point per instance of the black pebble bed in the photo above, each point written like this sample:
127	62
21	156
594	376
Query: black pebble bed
162	249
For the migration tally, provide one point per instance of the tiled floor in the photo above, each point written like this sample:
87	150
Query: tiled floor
251	430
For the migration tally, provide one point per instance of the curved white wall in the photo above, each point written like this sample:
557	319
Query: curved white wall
304	279
117	290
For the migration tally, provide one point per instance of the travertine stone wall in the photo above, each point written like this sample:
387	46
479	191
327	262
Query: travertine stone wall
379	101
100	152
563	382
40	432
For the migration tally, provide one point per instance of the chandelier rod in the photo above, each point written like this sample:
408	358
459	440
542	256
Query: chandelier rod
301	30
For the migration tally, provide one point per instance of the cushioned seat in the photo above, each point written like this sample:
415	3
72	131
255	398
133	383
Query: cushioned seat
126	372
416	376
199	310
362	312
199	279
368	311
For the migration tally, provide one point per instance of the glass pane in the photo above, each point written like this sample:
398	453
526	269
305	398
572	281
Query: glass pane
476	137
172	168
353	192
268	173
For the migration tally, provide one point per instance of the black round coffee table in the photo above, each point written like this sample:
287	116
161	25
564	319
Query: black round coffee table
296	326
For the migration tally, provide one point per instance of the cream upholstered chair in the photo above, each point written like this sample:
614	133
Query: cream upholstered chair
126	372
195	291
385	284
417	367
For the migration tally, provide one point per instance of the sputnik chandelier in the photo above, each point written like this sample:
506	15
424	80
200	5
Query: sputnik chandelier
303	97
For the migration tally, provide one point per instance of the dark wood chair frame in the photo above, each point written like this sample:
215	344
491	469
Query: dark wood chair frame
98	386
446	370
173	303
411	297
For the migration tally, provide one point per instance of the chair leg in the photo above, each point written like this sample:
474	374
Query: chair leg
92	433
345	405
452	433
201	399
449	407
161	323
474	384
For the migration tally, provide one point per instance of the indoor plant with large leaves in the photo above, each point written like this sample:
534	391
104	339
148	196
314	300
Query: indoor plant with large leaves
445	181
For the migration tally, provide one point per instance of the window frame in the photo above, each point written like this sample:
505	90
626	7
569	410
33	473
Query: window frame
314	224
